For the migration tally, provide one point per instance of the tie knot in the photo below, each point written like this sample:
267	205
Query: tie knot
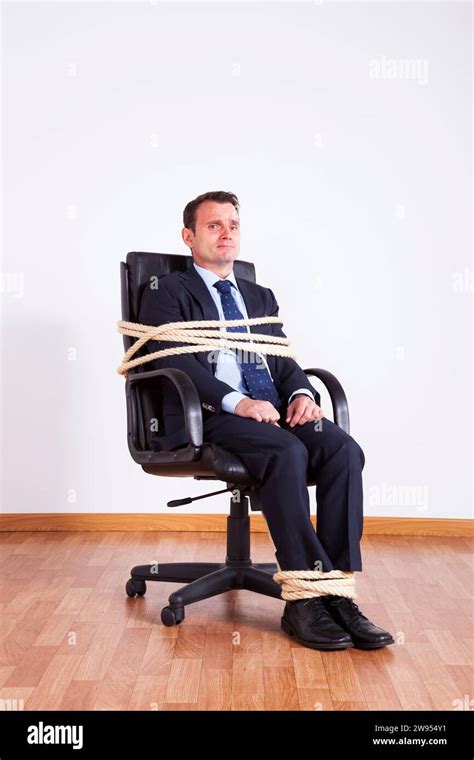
223	286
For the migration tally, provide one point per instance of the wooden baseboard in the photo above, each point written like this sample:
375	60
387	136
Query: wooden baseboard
375	526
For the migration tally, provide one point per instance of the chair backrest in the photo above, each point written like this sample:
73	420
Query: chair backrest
135	273
141	266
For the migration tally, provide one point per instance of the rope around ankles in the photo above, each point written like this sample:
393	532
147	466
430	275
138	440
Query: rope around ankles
203	339
302	584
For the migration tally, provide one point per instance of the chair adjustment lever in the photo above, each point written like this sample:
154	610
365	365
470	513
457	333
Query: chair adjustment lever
189	499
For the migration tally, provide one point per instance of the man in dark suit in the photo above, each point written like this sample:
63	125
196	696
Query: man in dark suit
265	410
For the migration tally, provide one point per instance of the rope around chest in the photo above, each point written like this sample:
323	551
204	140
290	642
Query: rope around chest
199	337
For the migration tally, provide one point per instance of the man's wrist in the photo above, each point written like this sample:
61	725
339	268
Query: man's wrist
301	392
230	400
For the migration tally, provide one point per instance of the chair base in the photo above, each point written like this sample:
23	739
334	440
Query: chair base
204	579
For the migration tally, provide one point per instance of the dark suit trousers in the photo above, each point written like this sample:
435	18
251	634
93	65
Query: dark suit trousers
283	460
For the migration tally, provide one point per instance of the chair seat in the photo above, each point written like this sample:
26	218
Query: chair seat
214	462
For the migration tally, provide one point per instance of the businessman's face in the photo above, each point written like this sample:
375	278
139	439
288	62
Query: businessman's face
216	242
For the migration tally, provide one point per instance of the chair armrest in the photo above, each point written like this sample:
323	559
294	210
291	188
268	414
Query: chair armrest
337	396
189	399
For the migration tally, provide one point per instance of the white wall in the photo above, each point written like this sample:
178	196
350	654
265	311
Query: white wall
355	196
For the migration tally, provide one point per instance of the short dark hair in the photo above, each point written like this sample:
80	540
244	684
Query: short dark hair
219	196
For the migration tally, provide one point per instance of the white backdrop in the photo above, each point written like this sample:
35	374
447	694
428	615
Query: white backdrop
345	130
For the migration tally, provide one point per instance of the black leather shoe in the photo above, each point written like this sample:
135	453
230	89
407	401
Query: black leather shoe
311	624
363	633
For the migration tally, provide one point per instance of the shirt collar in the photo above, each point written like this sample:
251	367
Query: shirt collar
210	277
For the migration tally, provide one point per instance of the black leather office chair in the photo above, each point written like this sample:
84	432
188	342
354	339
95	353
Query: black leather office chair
203	461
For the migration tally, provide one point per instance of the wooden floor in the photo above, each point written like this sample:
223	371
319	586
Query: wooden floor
70	639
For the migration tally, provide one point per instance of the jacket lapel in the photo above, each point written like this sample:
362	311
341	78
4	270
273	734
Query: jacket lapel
253	302
193	282
196	285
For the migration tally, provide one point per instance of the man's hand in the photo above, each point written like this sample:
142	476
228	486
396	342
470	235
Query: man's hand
303	409
262	411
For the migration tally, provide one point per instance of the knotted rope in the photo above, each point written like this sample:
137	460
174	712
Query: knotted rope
302	584
202	339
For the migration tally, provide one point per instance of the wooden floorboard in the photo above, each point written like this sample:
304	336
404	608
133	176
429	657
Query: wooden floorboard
70	638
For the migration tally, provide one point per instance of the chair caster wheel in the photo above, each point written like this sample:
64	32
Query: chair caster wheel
135	588
171	617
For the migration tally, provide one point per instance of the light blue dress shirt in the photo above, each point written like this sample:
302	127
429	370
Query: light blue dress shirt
227	367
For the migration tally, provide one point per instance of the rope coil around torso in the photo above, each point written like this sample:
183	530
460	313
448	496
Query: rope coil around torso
201	339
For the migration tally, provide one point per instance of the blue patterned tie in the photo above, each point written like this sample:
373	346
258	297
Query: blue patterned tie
256	375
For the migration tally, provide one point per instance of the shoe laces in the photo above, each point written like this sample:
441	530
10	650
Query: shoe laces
310	599
350	603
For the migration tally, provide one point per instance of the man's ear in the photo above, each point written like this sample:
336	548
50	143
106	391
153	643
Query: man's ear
187	236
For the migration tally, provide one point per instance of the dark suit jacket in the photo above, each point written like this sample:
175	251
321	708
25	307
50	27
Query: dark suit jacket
183	296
